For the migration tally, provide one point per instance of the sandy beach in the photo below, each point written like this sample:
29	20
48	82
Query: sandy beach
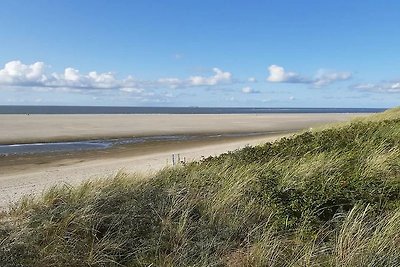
46	128
31	174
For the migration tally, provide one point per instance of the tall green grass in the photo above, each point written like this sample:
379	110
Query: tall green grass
321	198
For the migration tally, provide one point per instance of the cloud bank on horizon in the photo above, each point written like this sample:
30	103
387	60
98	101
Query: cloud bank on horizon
17	73
39	77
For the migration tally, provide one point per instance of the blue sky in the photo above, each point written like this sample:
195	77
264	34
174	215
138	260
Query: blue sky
200	53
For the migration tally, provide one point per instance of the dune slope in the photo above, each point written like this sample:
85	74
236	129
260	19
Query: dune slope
325	198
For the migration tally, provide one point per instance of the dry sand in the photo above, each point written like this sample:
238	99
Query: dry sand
32	174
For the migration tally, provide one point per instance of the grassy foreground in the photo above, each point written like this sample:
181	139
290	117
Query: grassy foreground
324	198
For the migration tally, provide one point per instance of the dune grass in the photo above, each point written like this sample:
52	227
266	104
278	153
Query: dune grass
323	198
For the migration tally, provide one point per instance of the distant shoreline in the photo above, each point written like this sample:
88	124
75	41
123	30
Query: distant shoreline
11	109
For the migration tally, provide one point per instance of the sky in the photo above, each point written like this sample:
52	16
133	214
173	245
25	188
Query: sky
309	53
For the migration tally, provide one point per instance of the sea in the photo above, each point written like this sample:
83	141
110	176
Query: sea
172	110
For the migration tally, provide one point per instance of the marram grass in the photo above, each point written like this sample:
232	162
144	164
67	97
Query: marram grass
329	197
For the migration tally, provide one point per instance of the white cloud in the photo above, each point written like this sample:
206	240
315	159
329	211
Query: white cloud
170	82
15	72
252	80
102	79
218	78
324	77
74	79
132	90
249	90
18	75
383	87
278	74
396	85
71	74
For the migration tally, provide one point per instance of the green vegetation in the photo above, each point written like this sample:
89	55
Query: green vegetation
324	198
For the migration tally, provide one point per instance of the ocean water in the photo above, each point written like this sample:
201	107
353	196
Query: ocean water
171	110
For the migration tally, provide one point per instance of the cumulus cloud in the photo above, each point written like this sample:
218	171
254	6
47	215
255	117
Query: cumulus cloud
278	74
325	77
249	90
218	77
383	87
72	78
17	74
